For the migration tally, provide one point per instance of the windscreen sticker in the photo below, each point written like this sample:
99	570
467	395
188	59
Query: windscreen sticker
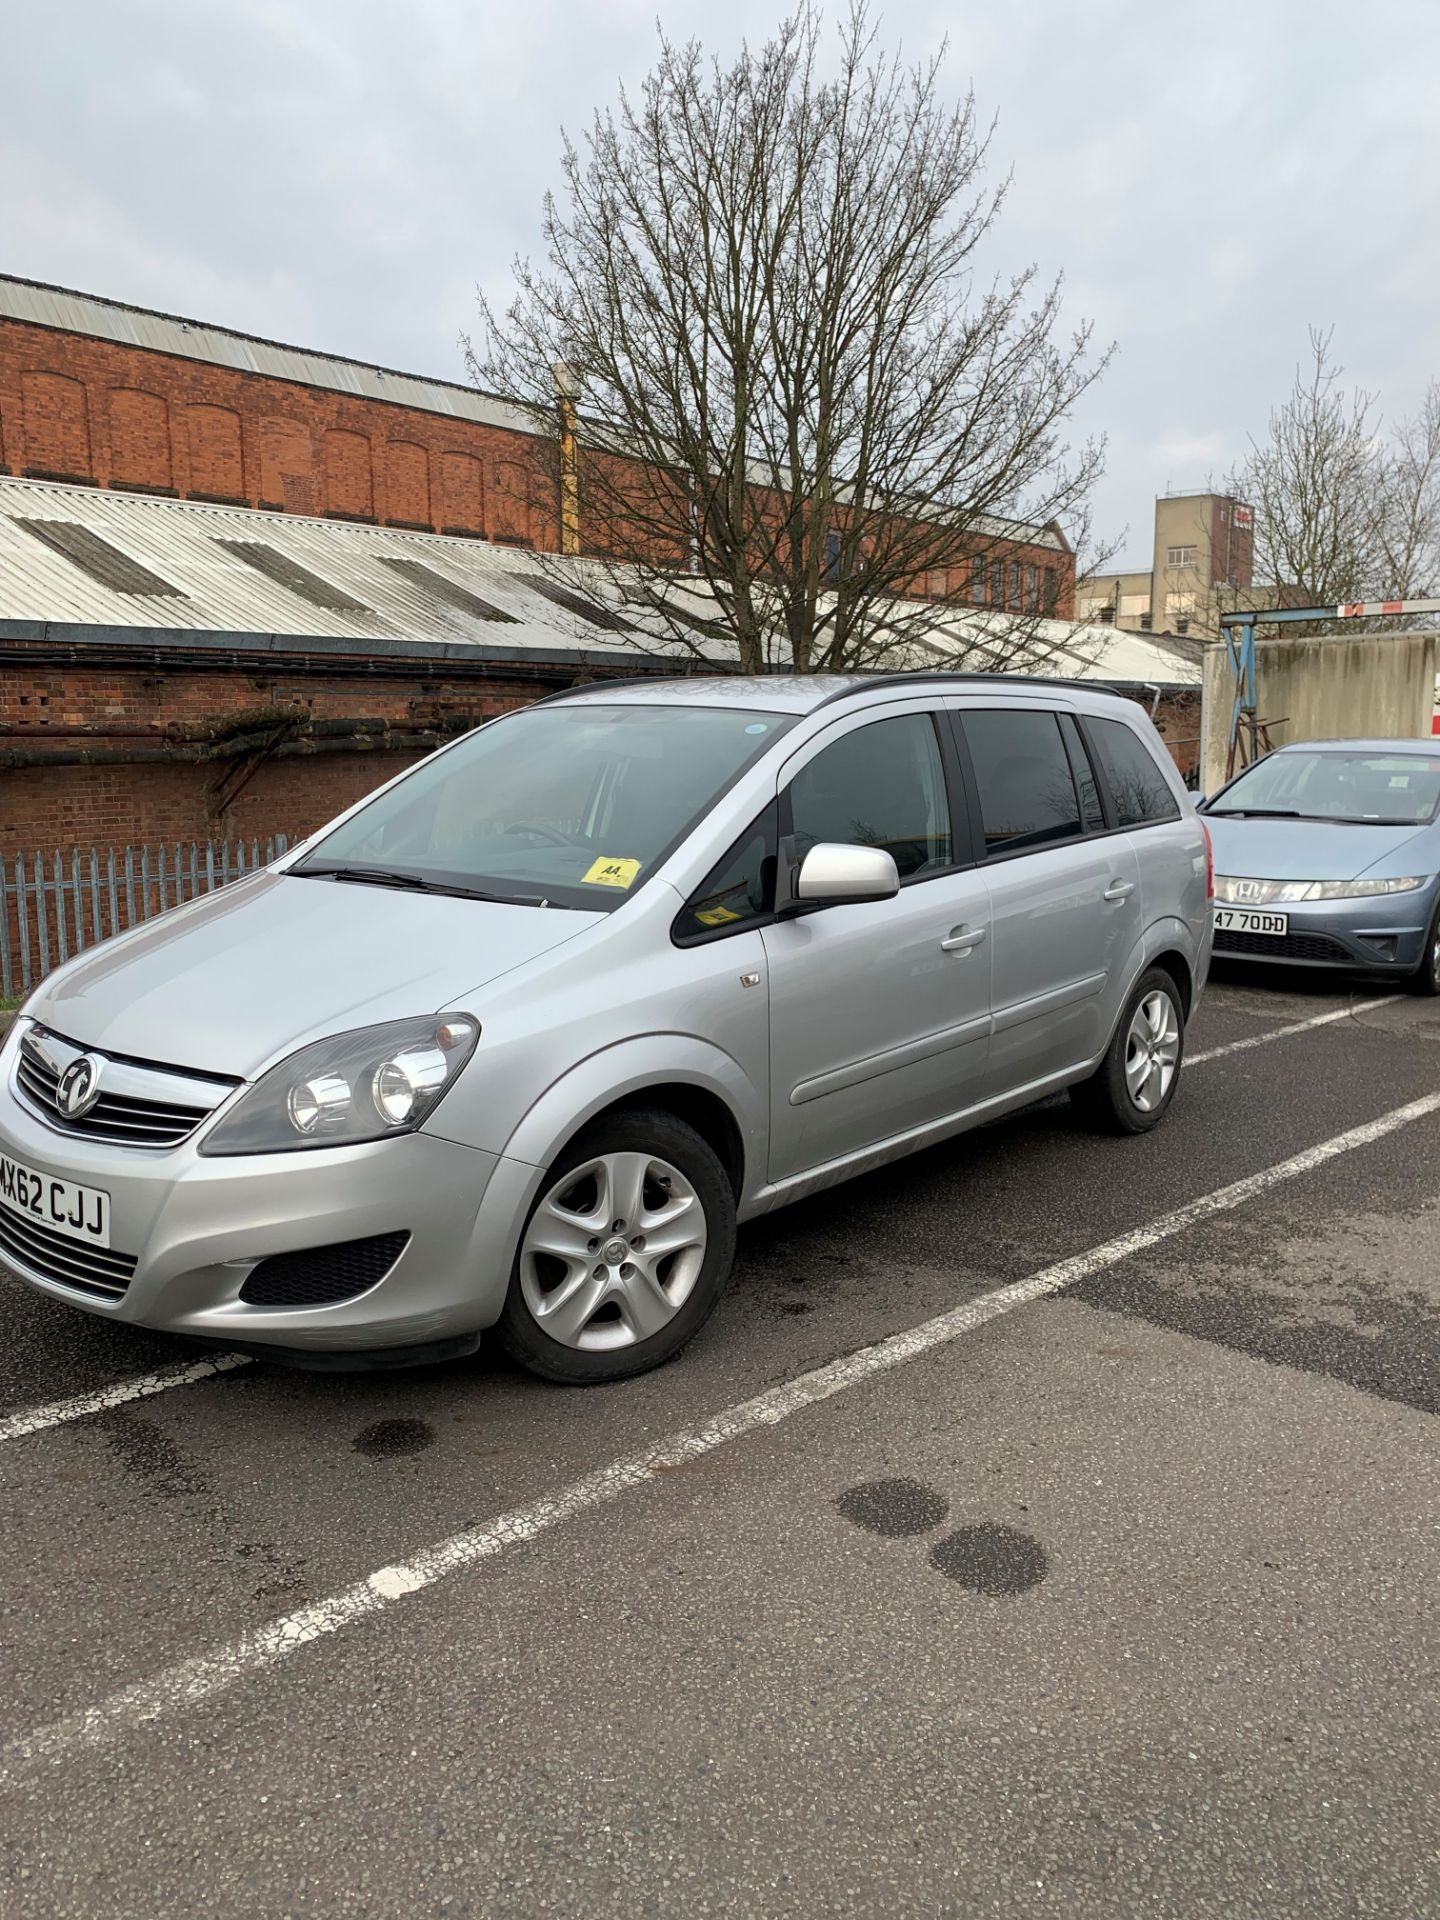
612	873
715	916
1399	779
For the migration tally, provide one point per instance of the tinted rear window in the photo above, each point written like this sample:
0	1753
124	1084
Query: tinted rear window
1141	793
1027	794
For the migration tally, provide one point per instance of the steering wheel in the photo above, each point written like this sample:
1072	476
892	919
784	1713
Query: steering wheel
555	835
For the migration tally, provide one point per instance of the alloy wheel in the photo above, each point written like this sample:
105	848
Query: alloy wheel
1152	1050
612	1252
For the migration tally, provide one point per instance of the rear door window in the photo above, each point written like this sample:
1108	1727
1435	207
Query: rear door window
1139	790
1022	771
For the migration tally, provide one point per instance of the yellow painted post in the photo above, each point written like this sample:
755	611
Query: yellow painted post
567	387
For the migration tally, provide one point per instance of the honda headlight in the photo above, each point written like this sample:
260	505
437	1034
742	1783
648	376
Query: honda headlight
1239	892
1363	889
1258	893
356	1086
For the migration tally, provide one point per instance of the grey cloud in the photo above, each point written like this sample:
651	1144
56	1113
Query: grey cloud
342	172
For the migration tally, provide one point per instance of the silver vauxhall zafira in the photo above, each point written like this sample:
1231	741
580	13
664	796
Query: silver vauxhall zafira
518	1040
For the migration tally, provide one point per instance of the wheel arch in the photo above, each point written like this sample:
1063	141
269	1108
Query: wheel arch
1172	961
692	1079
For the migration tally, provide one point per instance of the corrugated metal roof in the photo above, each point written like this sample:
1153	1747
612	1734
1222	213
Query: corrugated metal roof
351	582
1064	649
194	550
46	306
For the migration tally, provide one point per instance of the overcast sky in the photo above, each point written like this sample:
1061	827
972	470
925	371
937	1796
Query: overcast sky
341	173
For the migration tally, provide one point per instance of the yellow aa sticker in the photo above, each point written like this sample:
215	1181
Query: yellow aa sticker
715	916
612	873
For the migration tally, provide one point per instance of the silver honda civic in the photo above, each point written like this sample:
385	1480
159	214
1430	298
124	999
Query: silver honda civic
518	1040
1328	855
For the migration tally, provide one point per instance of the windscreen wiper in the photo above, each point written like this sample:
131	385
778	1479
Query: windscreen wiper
415	883
1362	820
368	877
1259	813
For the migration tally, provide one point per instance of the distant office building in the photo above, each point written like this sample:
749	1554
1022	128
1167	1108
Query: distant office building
1202	562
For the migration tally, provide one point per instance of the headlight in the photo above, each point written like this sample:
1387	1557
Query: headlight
1271	893
356	1086
1363	889
1258	893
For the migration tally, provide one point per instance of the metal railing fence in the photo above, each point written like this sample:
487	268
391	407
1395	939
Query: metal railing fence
55	905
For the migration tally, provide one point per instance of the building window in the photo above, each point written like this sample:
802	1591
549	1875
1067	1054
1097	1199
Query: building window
1051	599
1180	556
1032	589
997	583
1012	597
977	581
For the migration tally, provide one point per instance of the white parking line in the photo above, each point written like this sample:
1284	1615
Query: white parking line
1297	1026
191	1681
14	1426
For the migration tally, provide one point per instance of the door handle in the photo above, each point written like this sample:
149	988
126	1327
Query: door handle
963	939
1119	890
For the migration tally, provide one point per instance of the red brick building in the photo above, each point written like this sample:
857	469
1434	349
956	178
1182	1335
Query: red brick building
229	700
100	394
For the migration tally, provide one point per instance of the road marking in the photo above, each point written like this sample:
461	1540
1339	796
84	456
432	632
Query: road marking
209	1674
1298	1026
14	1426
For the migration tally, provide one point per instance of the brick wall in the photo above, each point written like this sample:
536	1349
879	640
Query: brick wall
76	408
80	409
130	723
1178	719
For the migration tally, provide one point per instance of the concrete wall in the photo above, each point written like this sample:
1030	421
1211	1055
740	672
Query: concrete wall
1328	688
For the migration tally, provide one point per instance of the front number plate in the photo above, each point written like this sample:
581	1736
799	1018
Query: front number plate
60	1206
1246	920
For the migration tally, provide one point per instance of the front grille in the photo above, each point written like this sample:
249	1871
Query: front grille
1285	946
120	1118
320	1276
72	1263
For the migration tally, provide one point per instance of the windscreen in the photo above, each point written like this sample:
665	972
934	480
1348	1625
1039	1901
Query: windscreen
573	804
1386	789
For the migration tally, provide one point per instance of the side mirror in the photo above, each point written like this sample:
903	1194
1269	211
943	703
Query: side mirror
833	873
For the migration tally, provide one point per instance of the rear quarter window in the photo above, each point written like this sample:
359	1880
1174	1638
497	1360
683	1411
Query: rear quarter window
1138	787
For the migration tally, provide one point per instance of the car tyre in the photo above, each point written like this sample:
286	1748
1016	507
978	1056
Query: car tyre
1131	1090
1426	977
624	1254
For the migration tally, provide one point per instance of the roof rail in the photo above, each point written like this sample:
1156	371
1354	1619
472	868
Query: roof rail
955	679
665	671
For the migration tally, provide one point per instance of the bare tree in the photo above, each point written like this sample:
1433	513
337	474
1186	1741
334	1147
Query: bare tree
797	394
1342	512
1408	505
1311	482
